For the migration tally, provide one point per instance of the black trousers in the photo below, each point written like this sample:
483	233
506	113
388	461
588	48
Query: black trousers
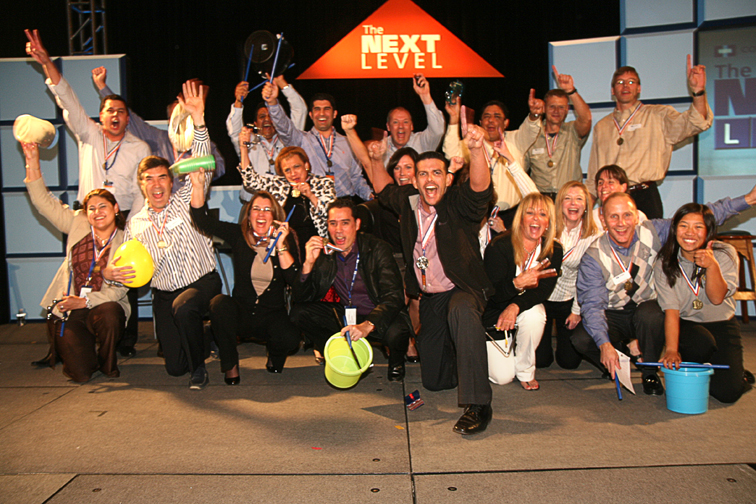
232	320
89	340
716	343
318	322
644	322
131	334
452	346
178	323
566	355
649	202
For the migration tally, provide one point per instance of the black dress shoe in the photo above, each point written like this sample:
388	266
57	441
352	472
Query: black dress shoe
127	351
232	381
396	373
271	367
652	385
45	361
475	419
748	377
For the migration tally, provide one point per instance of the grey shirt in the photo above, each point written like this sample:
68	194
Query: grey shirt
681	296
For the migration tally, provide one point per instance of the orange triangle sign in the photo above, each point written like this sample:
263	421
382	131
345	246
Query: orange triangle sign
398	40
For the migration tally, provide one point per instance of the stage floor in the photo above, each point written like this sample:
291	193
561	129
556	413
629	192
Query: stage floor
146	438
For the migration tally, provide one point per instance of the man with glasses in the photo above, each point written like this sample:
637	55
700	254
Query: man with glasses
639	138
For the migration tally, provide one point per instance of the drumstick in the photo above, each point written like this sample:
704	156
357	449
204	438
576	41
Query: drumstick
273	245
275	59
246	74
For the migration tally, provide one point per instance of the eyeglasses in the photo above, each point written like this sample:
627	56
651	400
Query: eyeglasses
622	82
265	209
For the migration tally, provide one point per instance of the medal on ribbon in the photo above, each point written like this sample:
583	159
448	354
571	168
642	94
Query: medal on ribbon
621	130
694	286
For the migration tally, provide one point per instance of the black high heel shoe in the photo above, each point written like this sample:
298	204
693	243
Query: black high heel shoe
412	359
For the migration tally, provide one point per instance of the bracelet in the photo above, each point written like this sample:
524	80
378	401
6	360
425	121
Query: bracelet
536	115
285	87
574	90
282	249
200	127
700	93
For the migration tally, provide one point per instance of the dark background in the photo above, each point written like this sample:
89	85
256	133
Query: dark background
168	41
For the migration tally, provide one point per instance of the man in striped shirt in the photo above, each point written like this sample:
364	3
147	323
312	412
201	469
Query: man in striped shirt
185	279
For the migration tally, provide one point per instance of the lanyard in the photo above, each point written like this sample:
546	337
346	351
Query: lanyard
326	144
550	148
569	252
622	265
354	276
96	255
113	153
162	228
530	260
264	238
428	232
622	129
695	287
422	262
269	153
491	161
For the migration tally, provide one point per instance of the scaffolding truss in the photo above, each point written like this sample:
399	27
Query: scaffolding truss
87	28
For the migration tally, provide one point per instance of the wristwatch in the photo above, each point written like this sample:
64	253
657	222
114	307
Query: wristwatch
700	93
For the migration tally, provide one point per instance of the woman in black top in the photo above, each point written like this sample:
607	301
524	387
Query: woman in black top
515	265
258	306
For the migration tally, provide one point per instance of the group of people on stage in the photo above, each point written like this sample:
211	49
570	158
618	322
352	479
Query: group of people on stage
463	259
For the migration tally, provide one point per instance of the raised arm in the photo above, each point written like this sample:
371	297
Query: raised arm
348	122
480	175
287	131
377	173
697	86
43	200
36	50
583	117
297	105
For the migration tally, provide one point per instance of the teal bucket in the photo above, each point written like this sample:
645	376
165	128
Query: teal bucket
687	389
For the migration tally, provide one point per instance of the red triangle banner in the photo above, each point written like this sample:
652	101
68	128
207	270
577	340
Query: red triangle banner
398	40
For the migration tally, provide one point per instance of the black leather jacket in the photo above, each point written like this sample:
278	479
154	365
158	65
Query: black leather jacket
377	268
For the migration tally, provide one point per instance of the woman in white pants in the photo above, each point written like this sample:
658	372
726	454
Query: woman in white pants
516	264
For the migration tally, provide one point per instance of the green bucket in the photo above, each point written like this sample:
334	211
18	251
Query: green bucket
340	369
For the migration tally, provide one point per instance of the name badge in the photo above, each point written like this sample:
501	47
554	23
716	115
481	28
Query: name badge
85	291
175	222
634	127
621	278
350	312
535	152
108	185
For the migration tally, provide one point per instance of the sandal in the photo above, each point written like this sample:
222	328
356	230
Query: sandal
528	385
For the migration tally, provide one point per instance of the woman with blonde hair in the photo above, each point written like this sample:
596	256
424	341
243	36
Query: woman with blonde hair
522	265
575	230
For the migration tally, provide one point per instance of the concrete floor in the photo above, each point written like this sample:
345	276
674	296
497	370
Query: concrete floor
146	438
